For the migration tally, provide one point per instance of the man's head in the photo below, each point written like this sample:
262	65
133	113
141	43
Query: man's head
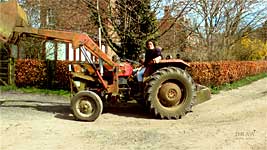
150	44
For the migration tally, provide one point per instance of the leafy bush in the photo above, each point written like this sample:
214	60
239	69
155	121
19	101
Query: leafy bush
62	75
42	74
30	73
218	73
250	49
39	73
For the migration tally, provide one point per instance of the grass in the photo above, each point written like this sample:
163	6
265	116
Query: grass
35	90
236	84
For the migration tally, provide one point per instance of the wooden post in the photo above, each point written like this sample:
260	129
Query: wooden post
18	51
67	51
80	54
74	54
56	50
43	56
11	71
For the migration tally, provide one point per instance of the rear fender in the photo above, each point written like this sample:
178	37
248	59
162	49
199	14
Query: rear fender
166	63
173	62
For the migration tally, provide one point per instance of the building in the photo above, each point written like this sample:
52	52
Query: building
71	15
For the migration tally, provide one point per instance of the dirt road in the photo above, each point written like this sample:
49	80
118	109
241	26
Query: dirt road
231	120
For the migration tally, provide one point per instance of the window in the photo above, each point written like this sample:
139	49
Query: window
50	17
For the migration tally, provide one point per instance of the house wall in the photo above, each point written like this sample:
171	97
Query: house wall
71	15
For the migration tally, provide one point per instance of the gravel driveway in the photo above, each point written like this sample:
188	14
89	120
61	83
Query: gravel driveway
231	120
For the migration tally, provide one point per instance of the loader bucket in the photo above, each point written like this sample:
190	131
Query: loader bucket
11	16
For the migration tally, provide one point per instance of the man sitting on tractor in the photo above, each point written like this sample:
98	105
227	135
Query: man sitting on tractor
152	55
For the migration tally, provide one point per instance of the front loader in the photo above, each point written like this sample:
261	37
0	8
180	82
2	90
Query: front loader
169	91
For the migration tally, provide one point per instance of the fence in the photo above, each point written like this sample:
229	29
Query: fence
7	71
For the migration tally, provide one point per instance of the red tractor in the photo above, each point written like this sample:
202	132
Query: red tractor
169	91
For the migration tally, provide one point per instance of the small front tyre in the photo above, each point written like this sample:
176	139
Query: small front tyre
86	106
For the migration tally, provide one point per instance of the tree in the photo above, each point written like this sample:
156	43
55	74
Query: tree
262	32
175	40
127	24
137	25
221	24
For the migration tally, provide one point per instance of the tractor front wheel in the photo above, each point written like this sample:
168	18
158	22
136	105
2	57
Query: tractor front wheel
86	106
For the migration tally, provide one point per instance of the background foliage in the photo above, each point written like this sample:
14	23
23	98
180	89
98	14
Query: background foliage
218	73
43	74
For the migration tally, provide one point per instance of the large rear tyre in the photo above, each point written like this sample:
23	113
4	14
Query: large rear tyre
170	92
86	106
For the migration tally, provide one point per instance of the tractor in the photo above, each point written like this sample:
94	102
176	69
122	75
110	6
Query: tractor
169	91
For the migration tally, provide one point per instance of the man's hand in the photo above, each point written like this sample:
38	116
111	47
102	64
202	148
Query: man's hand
151	62
157	59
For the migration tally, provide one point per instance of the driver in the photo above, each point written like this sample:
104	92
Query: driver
152	55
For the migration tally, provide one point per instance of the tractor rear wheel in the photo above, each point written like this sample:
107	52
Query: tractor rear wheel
170	92
86	106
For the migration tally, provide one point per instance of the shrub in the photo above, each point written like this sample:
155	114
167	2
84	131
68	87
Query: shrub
250	49
30	73
218	73
62	75
39	73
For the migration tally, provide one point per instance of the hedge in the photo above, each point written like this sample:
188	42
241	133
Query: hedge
55	75
218	73
30	73
42	74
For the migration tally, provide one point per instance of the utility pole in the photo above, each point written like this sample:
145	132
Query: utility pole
99	28
99	39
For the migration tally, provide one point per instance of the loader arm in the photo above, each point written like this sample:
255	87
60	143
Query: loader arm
78	40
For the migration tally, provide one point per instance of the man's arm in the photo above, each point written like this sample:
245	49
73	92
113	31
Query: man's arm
157	59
